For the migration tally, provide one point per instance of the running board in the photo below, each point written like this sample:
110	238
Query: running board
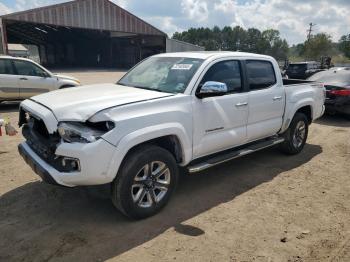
235	153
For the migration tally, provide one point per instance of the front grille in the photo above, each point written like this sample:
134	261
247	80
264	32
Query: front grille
40	140
40	127
44	147
43	143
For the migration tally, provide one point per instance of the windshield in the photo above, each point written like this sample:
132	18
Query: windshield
164	74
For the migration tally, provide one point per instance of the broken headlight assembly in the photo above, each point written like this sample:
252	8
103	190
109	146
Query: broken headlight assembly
87	132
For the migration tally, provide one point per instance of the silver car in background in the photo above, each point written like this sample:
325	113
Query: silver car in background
22	78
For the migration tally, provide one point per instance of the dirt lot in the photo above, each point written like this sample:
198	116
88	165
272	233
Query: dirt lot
263	207
93	76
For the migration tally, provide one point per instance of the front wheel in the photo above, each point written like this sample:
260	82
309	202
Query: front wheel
296	135
145	182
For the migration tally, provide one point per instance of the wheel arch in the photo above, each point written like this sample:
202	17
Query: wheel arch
169	142
304	108
171	137
307	111
65	86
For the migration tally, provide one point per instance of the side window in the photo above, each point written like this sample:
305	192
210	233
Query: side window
28	69
260	74
228	72
6	67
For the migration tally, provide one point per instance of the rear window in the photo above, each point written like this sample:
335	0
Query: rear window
6	67
261	74
296	67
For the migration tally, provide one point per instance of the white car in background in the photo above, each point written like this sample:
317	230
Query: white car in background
22	78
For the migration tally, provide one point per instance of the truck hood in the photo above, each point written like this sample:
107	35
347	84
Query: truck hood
80	103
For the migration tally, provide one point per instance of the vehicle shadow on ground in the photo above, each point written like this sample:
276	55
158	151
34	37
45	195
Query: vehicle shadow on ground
334	120
39	222
9	107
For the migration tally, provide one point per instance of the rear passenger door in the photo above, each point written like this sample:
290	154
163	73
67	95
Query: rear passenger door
9	83
266	99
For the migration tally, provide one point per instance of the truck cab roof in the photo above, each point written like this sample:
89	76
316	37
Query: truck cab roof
212	54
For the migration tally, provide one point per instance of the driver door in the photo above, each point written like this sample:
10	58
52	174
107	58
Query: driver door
32	79
220	122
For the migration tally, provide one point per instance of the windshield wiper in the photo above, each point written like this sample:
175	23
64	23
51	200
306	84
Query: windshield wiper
152	89
142	87
148	88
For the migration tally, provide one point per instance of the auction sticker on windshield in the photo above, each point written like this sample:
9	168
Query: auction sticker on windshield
182	67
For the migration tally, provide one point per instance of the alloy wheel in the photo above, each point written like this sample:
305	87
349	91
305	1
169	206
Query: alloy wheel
299	134
150	184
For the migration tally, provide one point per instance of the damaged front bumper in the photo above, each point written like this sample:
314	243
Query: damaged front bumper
57	162
37	164
94	159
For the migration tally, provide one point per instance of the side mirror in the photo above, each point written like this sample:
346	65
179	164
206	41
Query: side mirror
212	88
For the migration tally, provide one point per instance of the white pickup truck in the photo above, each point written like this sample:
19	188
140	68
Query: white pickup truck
190	110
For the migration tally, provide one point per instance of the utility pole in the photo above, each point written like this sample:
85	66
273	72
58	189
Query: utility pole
310	31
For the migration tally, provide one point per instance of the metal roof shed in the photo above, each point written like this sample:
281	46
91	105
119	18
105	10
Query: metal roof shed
83	33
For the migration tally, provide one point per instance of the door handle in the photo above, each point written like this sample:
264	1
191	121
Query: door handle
242	104
23	78
277	98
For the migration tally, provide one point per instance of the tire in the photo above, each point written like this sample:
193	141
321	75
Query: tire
296	135
136	191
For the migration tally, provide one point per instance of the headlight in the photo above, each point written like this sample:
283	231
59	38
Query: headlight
83	132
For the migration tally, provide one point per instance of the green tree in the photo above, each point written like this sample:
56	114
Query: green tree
297	50
318	45
237	39
344	45
273	45
254	41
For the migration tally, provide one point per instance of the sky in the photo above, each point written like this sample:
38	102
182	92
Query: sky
291	17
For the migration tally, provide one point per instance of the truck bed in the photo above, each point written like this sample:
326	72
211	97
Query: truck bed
296	81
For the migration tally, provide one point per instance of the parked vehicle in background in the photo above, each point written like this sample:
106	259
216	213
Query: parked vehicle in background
302	70
192	110
337	84
341	68
21	78
326	62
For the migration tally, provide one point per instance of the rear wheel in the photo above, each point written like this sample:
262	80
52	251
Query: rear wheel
296	135
145	182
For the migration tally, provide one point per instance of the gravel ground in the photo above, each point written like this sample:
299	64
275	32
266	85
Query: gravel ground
262	207
93	76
